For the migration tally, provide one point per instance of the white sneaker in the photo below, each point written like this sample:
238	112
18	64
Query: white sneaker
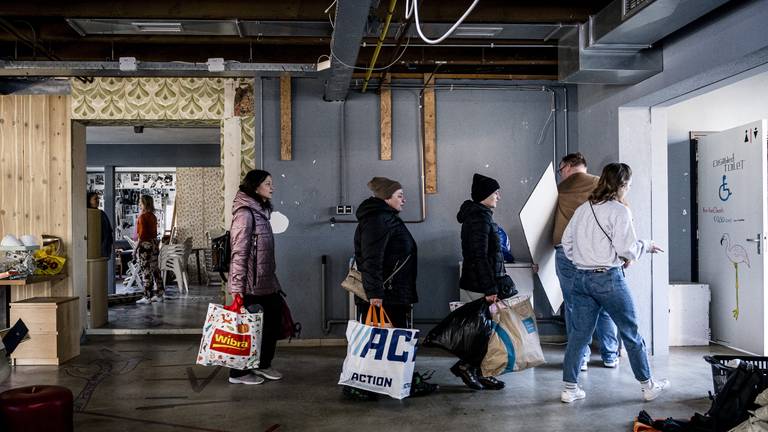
584	367
157	299
249	379
611	364
143	300
268	373
570	395
655	389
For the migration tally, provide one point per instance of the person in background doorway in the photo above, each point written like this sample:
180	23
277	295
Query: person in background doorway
575	187
483	266
387	258
107	233
600	240
148	250
252	279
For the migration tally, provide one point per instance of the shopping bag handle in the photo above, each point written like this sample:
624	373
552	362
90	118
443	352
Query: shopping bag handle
372	319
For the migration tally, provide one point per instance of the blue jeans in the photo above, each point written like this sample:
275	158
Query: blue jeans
609	291
606	329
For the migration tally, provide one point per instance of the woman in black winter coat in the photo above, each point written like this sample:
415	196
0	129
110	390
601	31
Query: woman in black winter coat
386	256
385	253
483	267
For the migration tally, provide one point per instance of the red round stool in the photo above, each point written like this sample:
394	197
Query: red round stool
36	408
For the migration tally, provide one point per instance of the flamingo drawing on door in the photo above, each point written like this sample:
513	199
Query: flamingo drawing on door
736	255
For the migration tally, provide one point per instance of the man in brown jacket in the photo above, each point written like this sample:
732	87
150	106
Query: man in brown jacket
575	187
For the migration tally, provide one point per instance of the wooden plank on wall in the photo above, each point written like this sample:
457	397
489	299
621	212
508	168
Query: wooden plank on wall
35	193
385	109
430	137
60	148
286	151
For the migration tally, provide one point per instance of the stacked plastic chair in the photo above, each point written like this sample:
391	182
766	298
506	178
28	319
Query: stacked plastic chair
173	258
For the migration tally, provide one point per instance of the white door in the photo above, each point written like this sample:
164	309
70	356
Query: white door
731	194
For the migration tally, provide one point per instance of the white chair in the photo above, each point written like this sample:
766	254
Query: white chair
170	259
132	274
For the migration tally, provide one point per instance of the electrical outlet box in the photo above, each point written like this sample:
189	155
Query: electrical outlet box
344	209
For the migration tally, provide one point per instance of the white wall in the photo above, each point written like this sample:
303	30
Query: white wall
724	108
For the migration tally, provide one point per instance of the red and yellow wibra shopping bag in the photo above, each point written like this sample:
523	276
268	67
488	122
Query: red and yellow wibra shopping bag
231	339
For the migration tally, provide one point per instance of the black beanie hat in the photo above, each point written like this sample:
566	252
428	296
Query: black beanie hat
483	187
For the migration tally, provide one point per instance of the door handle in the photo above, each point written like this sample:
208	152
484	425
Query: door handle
758	239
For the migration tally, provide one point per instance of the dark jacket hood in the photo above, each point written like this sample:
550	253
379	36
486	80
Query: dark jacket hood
470	208
243	200
372	206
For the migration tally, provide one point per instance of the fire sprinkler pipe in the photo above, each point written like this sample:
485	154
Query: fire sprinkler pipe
382	36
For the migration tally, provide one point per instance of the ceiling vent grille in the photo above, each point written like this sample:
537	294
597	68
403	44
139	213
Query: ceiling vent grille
632	6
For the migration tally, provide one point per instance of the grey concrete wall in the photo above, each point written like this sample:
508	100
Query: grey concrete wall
148	155
615	123
494	132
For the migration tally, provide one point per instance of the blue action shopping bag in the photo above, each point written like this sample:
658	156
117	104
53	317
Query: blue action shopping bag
379	358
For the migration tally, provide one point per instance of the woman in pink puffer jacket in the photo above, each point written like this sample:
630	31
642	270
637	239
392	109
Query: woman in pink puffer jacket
252	278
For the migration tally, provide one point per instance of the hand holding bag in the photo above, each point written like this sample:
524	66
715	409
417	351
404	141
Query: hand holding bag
514	345
379	359
231	339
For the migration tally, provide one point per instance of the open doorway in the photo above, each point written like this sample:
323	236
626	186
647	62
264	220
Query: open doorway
714	239
178	170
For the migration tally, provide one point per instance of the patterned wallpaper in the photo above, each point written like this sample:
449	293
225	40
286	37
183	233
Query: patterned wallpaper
172	99
199	203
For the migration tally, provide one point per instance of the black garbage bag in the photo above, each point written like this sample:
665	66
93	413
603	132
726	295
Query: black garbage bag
465	332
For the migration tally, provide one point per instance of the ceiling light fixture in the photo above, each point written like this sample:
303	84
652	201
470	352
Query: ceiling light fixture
162	27
467	31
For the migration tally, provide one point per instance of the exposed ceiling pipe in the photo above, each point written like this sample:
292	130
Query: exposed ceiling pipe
148	69
351	17
382	36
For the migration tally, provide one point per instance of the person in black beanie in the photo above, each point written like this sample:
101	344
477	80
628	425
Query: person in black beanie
483	266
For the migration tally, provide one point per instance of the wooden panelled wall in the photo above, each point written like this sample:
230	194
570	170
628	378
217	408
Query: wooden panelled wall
35	165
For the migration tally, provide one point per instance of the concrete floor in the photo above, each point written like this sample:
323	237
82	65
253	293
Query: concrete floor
149	383
179	311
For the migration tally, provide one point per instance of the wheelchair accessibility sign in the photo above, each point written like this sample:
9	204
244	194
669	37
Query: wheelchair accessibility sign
724	192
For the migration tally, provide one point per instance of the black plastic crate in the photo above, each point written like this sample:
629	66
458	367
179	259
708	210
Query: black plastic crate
720	372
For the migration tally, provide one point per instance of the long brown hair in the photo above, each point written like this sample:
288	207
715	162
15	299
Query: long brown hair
148	203
615	176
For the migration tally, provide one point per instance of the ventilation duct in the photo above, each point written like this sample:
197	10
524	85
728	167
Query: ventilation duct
616	45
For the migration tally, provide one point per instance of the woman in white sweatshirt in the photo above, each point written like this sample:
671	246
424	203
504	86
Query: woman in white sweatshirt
600	239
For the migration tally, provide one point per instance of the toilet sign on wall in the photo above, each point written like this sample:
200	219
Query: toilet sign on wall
731	199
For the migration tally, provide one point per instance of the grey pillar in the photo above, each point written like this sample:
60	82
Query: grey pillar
109	209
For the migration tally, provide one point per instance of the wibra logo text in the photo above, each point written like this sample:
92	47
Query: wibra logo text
231	343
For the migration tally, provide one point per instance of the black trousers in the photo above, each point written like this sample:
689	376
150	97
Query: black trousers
272	306
399	314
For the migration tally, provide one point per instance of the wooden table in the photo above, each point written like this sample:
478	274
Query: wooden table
23	282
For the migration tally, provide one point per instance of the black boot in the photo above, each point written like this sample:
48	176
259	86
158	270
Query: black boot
467	374
420	386
490	383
